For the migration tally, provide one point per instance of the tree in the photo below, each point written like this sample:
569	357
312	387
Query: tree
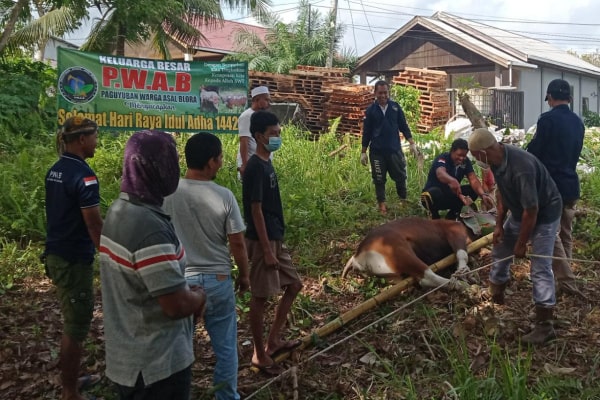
22	28
592	58
136	21
304	42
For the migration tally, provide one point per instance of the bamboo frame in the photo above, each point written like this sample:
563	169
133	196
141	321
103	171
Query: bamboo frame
383	296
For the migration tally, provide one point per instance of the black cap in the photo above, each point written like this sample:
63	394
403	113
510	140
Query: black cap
559	89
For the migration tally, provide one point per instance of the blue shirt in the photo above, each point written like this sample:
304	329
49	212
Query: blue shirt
456	171
557	144
381	132
70	186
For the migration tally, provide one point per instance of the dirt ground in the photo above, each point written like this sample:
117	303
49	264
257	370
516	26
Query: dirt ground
346	368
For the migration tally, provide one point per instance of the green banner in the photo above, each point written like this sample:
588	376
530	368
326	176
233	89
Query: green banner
124	93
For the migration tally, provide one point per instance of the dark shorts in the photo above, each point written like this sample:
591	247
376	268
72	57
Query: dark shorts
74	285
175	387
267	281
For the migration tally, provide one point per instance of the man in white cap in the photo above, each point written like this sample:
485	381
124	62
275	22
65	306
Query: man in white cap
526	189
261	100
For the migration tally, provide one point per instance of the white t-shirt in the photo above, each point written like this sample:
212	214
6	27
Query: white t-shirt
244	130
204	214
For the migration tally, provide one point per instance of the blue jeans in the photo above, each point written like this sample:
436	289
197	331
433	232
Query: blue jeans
542	243
220	321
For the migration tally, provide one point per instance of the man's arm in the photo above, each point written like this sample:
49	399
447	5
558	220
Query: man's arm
478	188
261	230
237	245
528	221
93	222
367	130
535	146
403	126
444	177
244	152
183	302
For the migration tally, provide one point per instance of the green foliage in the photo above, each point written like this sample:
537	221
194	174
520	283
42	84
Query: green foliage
591	118
303	42
136	22
18	262
408	98
27	104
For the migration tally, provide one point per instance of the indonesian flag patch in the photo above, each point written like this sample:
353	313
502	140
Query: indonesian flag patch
442	161
90	180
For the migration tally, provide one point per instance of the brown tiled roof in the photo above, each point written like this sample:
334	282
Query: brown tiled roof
220	36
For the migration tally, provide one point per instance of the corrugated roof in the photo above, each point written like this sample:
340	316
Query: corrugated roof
532	49
500	46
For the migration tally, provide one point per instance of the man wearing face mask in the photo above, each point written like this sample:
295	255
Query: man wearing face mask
526	189
271	266
443	190
557	144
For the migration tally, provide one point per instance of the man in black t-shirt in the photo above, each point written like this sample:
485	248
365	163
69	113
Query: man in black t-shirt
271	266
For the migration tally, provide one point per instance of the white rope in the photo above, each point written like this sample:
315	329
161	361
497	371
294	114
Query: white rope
269	382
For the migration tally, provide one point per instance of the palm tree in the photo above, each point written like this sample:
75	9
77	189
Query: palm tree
136	21
22	29
304	42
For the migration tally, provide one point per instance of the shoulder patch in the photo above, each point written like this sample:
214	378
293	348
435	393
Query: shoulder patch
90	180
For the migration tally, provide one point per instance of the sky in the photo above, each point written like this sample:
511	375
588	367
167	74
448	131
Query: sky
569	25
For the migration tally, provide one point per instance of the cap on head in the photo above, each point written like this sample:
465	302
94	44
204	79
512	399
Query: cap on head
481	139
259	90
559	89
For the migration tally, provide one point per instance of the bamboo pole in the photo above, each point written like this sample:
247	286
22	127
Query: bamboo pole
383	296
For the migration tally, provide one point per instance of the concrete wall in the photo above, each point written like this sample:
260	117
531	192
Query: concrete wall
535	82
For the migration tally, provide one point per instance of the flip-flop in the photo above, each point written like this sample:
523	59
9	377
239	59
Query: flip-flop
87	381
286	348
271	370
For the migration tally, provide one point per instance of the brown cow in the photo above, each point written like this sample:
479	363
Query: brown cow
409	246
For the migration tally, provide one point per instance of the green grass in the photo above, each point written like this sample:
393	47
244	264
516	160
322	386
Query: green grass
329	204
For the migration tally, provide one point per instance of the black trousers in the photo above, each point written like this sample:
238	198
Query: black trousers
436	199
393	164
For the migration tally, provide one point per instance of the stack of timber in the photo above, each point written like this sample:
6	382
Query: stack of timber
434	103
323	93
349	102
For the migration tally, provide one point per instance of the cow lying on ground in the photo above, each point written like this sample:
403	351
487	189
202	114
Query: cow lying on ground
409	246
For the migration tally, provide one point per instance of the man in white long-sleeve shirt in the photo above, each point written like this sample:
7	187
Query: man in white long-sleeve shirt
261	100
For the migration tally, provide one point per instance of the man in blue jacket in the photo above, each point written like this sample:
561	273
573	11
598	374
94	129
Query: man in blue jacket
557	144
384	120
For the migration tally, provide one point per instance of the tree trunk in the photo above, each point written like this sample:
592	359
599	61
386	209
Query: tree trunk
472	112
10	24
120	47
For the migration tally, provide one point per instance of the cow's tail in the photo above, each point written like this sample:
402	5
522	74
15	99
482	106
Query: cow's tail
348	267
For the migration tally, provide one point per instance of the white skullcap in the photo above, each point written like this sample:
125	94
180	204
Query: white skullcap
259	90
481	139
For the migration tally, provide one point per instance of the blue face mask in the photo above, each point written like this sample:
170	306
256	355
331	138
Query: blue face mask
274	144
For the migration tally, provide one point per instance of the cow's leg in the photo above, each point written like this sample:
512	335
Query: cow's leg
409	263
457	239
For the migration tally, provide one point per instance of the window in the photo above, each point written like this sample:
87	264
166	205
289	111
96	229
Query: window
585	105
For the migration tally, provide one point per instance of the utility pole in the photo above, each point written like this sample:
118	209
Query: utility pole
329	61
